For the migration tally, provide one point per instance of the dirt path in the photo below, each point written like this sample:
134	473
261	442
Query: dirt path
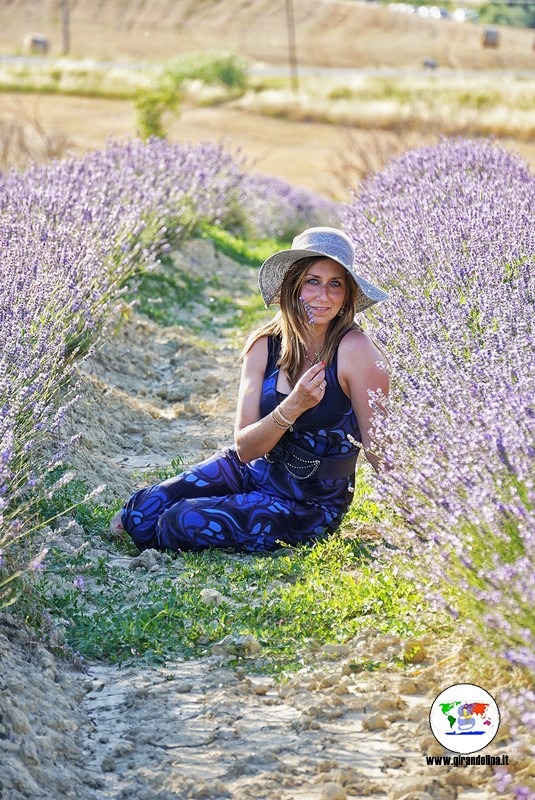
196	729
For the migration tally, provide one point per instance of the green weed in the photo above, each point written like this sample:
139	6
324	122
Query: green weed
163	294
244	250
293	601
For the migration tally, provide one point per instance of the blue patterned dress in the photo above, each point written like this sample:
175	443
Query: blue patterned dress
252	507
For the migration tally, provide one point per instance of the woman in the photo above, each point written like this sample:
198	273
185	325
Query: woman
303	407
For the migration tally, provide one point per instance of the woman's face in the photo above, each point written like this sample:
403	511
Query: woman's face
324	289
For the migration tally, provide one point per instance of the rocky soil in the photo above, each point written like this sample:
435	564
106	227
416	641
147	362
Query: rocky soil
197	729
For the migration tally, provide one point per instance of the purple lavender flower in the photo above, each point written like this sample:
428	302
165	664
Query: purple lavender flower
72	235
449	230
270	207
37	563
308	311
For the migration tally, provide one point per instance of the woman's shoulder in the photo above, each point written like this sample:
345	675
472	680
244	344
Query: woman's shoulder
357	346
355	338
256	349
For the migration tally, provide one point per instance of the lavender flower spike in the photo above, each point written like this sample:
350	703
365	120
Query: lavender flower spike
310	315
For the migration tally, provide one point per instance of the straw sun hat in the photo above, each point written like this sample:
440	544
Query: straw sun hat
321	242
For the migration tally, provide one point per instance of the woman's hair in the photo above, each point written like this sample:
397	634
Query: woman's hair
293	327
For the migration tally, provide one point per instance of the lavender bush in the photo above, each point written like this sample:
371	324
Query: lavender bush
449	229
71	234
269	207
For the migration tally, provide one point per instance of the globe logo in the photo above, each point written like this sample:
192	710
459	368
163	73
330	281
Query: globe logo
464	718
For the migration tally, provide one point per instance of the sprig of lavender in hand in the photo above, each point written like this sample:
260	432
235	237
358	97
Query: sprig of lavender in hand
310	314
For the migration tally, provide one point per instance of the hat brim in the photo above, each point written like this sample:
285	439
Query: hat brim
274	268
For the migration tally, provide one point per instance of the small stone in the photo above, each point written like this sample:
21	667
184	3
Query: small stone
211	597
414	714
341	689
28	753
336	650
406	686
431	747
462	777
18	719
327	765
387	703
409	788
330	680
211	789
149	559
416	796
183	688
384	643
108	764
375	723
123	749
260	687
333	791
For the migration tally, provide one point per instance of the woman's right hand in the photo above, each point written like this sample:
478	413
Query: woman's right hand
307	392
254	436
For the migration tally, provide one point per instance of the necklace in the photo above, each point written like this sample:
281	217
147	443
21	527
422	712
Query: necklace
317	355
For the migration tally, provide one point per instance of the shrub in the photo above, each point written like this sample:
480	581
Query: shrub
267	206
151	105
225	69
71	235
449	229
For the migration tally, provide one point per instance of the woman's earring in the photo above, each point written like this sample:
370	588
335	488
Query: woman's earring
341	312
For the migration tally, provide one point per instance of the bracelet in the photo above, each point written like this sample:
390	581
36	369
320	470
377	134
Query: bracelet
281	415
277	423
280	420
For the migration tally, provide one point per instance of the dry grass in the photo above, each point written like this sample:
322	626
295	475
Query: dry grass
338	131
85	77
326	158
26	140
329	32
451	103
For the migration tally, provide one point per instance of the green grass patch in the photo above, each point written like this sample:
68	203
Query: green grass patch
252	252
293	601
170	295
162	295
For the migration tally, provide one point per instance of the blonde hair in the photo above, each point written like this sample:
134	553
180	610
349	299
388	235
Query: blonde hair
292	326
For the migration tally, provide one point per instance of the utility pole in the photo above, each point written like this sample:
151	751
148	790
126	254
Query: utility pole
290	24
65	33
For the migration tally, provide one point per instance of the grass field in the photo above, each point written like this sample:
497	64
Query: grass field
340	33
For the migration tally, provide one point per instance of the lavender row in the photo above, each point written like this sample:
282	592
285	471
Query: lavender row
449	230
268	207
72	234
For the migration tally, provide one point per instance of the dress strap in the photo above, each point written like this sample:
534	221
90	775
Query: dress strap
274	348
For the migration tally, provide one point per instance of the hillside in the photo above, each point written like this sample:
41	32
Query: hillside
342	33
